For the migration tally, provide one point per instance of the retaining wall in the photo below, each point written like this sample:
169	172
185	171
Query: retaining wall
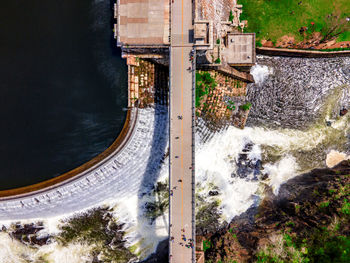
301	53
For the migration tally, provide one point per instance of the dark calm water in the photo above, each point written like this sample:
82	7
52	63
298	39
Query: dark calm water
63	87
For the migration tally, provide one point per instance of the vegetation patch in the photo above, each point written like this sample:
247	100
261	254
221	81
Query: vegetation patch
206	245
245	106
97	228
300	19
204	83
218	100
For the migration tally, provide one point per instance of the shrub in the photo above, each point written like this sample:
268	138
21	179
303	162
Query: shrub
204	83
230	18
206	245
245	106
258	44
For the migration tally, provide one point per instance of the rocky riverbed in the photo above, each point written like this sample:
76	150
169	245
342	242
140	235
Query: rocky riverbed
295	92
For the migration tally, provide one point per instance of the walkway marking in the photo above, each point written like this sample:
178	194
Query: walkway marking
181	205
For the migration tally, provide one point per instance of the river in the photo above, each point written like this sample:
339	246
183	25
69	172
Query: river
63	87
293	125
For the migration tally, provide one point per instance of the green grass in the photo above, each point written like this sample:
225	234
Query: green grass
272	19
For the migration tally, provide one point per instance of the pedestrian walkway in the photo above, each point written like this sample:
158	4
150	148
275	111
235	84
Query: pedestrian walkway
182	235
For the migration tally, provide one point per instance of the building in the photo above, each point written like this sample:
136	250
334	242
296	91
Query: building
142	23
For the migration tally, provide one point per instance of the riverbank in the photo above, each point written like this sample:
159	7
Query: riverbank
308	221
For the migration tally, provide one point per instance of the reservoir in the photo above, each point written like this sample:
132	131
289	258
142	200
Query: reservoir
63	87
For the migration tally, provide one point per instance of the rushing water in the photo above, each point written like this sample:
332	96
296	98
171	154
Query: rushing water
63	87
290	92
240	165
294	123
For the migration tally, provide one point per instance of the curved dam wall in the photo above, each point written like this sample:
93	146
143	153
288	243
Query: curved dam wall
116	174
79	171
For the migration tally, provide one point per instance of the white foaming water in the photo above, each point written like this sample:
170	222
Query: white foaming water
215	162
281	171
260	73
12	251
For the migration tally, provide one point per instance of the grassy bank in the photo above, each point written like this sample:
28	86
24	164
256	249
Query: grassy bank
272	19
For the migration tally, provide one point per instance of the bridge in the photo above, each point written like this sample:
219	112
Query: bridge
182	75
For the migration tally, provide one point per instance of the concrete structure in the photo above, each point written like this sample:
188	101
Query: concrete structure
203	34
182	200
240	49
142	23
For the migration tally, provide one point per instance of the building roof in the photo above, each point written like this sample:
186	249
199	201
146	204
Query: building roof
200	30
240	49
143	22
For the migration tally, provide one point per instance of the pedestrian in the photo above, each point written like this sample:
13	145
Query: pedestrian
171	192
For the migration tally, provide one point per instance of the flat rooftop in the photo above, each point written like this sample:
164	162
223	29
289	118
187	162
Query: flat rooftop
240	48
143	22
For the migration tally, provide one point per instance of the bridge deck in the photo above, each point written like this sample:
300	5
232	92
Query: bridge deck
181	135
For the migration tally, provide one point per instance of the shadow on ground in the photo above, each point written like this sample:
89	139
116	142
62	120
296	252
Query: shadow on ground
156	161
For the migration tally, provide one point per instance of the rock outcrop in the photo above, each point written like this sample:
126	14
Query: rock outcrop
310	214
